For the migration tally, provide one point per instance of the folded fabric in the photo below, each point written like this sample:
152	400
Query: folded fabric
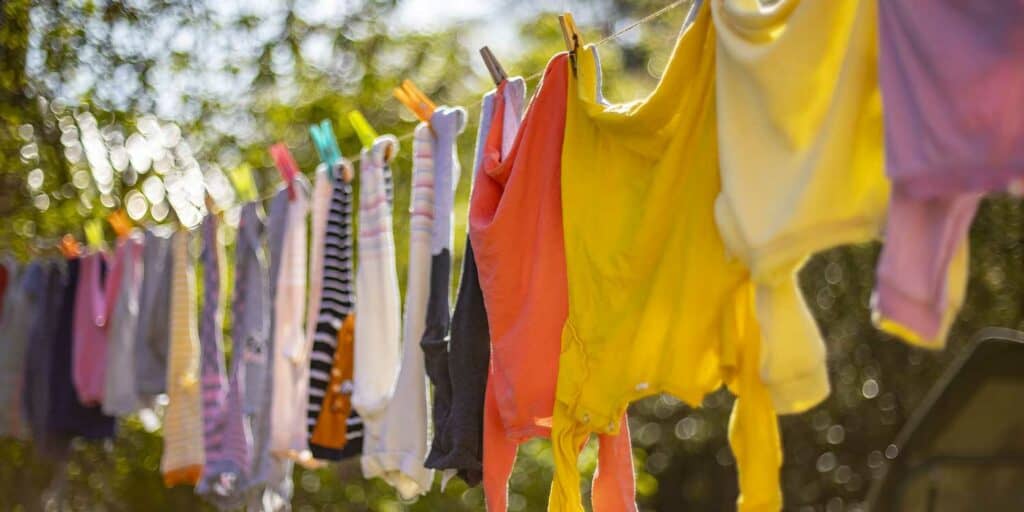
655	305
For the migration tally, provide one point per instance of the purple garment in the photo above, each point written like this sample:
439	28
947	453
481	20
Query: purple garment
952	77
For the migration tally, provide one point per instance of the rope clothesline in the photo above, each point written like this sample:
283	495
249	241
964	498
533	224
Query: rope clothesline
611	37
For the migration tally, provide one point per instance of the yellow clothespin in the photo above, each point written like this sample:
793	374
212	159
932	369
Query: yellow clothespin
362	127
121	223
241	178
493	66
573	40
414	99
94	234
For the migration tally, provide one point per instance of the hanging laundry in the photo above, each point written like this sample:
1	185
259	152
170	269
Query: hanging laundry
46	294
396	448
153	338
183	457
120	396
329	412
89	332
953	87
377	351
459	402
800	147
270	484
655	304
19	304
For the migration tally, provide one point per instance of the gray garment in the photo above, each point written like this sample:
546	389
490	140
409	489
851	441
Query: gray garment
120	397
14	324
270	480
153	329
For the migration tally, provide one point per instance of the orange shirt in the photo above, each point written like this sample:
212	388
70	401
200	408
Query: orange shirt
515	224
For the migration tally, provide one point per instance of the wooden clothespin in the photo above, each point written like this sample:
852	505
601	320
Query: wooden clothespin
414	99
326	145
493	66
241	179
286	165
69	247
573	40
121	223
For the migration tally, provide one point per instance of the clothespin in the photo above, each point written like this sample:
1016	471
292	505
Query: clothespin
362	127
286	165
493	66
573	40
241	179
94	234
69	247
414	99
326	145
120	222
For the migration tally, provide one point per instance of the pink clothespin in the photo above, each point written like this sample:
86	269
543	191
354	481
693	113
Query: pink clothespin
286	165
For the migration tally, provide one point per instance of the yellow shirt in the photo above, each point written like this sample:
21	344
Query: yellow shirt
800	148
654	303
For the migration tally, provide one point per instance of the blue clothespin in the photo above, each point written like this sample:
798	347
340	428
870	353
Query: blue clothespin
326	145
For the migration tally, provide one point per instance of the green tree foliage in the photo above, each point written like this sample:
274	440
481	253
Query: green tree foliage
123	103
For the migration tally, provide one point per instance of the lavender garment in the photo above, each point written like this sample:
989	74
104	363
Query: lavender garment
120	397
46	293
153	332
952	82
14	323
952	78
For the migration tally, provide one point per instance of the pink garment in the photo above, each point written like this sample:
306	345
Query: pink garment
89	336
952	79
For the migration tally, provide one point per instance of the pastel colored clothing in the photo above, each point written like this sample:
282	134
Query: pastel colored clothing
319	208
184	456
655	304
377	350
395	435
89	343
19	303
953	86
800	146
120	396
328	425
153	338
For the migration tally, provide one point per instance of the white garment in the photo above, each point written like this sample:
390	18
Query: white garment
291	353
120	396
378	312
395	439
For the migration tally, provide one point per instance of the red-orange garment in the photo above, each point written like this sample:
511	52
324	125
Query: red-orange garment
515	224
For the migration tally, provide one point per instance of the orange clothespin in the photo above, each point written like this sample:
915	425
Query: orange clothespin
286	165
70	247
414	99
121	223
573	40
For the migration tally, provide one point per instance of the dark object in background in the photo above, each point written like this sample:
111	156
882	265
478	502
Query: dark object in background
963	448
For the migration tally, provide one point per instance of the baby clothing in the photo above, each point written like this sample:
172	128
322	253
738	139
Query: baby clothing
329	409
654	303
378	315
395	436
153	334
800	149
183	457
120	397
89	343
953	87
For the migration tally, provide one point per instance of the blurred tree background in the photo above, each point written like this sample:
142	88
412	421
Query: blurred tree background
131	103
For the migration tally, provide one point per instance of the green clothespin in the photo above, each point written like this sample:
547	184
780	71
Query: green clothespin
364	131
241	179
326	145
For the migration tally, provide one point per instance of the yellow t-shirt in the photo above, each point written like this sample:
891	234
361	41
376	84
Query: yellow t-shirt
800	149
655	305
